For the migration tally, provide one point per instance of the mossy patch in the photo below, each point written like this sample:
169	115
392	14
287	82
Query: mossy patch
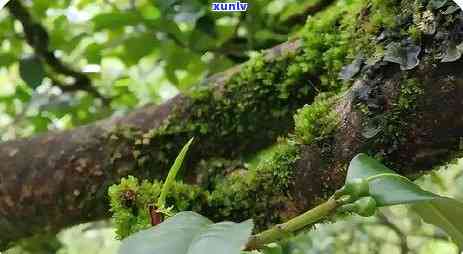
242	194
316	121
130	201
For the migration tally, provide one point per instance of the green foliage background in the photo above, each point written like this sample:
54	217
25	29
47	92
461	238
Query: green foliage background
136	52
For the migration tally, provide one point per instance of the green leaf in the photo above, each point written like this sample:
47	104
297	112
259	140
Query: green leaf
114	20
139	46
31	71
173	173
363	166
386	186
189	233
6	59
172	236
390	188
446	213
395	189
223	237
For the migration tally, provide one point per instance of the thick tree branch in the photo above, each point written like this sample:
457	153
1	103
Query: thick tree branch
37	37
59	179
422	137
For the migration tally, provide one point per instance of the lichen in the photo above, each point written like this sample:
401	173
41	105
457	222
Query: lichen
387	125
395	121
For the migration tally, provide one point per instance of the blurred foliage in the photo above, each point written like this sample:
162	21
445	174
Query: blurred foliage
136	52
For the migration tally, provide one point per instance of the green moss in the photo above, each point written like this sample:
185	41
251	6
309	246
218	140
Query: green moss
256	106
130	201
410	91
242	194
252	109
327	43
316	121
256	193
384	14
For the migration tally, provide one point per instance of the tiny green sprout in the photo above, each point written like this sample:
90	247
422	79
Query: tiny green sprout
161	204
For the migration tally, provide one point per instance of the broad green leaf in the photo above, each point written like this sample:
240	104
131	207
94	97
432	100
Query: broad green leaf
363	166
32	71
386	186
224	238
173	236
189	233
390	188
445	213
393	190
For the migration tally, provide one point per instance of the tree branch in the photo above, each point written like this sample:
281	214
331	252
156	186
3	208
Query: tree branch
37	37
58	179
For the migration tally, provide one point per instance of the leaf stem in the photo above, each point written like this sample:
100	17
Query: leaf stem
281	231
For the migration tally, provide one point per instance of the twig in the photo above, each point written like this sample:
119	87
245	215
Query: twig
302	221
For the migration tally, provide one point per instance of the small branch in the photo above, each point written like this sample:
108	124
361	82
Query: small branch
302	221
37	37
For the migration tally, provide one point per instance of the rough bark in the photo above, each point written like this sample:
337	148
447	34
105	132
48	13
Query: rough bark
430	135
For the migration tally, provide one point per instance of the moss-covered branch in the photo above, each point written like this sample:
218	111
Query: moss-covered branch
404	108
59	179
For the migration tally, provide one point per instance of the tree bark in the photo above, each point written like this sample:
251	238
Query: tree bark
429	135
